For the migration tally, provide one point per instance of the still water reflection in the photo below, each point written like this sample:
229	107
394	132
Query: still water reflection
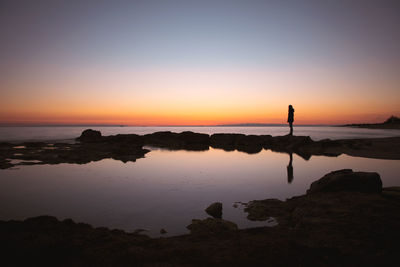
168	188
290	169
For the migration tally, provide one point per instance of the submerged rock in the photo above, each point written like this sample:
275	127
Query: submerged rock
211	226
215	210
347	180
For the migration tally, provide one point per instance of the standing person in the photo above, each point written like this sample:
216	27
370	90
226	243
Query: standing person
290	119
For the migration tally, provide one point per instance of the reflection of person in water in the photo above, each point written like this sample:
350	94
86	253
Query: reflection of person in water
290	169
291	119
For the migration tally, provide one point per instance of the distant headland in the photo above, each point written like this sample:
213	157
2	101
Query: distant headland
391	123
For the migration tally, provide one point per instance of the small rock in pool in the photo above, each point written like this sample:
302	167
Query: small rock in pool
215	210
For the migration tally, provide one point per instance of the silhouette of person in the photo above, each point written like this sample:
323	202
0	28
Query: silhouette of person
290	119
290	169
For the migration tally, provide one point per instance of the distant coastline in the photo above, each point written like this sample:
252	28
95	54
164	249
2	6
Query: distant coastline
391	123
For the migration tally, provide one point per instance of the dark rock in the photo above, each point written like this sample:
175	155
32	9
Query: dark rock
194	138
288	142
393	120
250	144
132	139
391	192
215	210
262	210
35	144
5	164
211	226
90	135
347	180
250	140
185	140
163	139
163	231
225	141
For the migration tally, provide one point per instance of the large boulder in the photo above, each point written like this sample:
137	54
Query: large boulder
90	135
347	180
215	210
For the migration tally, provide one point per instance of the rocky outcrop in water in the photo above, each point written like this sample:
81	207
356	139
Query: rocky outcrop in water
92	146
185	140
90	135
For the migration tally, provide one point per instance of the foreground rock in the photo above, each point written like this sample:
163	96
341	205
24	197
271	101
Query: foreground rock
347	180
345	183
211	226
340	228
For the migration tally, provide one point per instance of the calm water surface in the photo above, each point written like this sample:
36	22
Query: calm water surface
167	188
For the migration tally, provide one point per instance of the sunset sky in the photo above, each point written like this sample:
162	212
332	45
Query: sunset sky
199	62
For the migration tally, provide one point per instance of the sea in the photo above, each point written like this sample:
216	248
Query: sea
167	189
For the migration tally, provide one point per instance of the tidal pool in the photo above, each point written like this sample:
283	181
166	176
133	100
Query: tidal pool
167	189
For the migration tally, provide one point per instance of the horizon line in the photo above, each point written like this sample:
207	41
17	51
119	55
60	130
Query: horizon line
171	125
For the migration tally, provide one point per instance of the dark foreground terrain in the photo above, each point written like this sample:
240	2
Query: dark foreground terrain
345	219
92	146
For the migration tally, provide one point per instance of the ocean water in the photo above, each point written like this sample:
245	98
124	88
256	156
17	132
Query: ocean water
167	189
16	134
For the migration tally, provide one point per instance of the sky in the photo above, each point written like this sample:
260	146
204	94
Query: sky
199	62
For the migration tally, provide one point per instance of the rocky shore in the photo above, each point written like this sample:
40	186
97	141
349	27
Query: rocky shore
346	218
92	146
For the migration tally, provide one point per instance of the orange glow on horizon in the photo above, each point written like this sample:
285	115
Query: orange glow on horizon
197	98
